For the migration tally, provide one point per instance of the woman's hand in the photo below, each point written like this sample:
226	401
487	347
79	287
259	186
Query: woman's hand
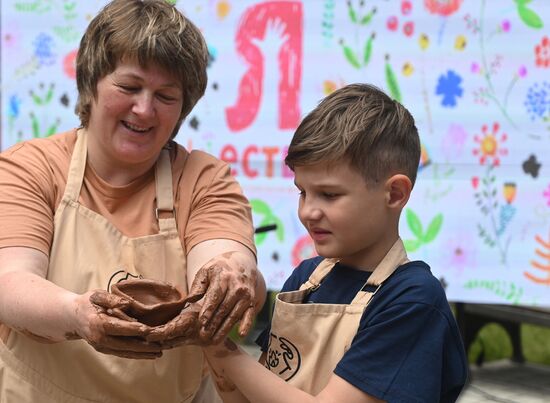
226	284
100	319
183	329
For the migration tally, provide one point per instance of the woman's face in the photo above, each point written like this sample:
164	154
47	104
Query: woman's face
133	117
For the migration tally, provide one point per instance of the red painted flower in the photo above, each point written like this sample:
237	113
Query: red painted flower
542	53
490	147
442	7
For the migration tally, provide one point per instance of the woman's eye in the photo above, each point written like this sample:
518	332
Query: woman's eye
128	88
167	98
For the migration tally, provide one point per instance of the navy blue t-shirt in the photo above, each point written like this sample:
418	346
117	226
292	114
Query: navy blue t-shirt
408	347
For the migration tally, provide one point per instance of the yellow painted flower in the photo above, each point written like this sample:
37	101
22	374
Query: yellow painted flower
509	192
460	42
222	9
408	69
424	41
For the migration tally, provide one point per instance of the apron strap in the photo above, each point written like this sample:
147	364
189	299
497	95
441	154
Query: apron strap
77	167
165	194
395	257
319	274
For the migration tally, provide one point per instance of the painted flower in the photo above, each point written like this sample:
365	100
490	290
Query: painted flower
490	147
542	53
452	145
14	106
442	7
546	195
537	101
449	86
458	253
43	49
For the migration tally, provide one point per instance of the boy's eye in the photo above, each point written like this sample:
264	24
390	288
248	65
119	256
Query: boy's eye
327	195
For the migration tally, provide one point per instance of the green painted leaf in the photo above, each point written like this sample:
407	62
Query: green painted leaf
52	130
368	50
529	17
433	228
280	231
35	126
351	12
260	207
367	18
36	99
260	238
412	244
414	224
350	56
49	95
391	81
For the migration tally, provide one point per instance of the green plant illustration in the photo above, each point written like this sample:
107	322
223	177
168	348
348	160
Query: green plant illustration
507	291
421	237
37	6
262	209
359	56
327	24
391	80
39	129
488	203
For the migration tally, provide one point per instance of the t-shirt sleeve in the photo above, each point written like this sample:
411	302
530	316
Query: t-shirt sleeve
27	198
401	354
218	207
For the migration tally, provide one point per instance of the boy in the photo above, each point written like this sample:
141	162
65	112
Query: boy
361	323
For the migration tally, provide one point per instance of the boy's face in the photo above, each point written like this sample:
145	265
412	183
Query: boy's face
345	218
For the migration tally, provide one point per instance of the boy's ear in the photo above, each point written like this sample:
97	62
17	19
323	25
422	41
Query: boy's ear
398	191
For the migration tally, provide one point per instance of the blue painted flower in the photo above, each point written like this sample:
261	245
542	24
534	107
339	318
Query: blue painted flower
537	101
14	106
43	49
449	86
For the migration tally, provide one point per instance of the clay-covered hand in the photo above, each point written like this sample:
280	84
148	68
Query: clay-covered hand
226	285
100	319
183	329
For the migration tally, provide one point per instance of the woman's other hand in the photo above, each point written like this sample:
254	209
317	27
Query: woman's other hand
100	319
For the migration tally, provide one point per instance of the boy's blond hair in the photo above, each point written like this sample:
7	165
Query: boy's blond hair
363	125
146	31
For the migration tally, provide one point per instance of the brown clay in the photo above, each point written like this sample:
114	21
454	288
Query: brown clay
152	302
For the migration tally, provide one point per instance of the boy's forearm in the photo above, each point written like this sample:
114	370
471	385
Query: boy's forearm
254	381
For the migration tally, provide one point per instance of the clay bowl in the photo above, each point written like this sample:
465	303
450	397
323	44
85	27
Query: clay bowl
152	302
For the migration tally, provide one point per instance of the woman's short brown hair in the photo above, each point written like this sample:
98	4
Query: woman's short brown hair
363	125
147	31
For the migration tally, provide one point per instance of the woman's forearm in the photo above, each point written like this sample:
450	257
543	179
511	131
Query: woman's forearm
36	307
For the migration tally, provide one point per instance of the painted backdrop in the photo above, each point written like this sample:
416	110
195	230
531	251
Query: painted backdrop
474	73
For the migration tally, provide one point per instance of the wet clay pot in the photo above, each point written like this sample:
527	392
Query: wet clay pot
152	302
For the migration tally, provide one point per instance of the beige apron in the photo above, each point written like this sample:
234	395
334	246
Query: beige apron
308	340
89	253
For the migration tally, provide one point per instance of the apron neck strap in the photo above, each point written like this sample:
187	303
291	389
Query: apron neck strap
165	194
395	257
163	180
318	274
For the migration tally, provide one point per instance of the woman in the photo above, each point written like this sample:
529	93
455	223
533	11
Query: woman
113	199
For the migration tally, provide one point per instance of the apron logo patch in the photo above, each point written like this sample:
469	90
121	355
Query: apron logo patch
283	358
119	276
